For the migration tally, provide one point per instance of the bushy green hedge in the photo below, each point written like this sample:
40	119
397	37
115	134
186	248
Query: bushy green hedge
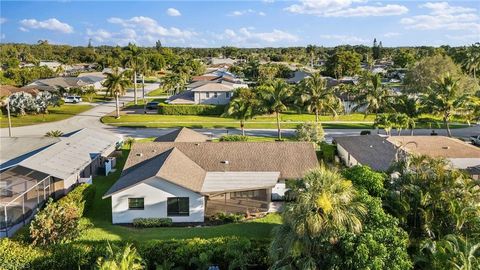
171	109
233	138
82	196
364	177
152	222
328	151
226	252
222	217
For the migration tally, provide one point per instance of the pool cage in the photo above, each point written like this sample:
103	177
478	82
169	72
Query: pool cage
22	192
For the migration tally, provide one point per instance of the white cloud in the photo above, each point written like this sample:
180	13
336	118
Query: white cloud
140	30
345	8
49	24
345	39
3	20
248	37
237	13
442	15
173	12
391	34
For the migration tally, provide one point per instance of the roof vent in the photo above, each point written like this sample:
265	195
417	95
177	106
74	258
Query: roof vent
446	147
154	150
371	146
225	162
197	144
139	154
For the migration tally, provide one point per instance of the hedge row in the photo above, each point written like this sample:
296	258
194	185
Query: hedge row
170	109
224	252
152	222
82	196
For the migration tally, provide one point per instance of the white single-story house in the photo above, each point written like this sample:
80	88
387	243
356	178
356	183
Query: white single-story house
217	92
53	84
185	177
379	152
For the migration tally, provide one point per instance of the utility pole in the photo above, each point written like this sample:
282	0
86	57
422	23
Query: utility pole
9	118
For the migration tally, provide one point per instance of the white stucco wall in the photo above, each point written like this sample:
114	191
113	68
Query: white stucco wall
155	192
201	98
344	156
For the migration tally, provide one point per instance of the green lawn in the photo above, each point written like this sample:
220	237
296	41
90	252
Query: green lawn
156	92
102	229
55	114
97	98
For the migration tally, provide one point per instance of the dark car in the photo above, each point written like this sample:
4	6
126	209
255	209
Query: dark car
152	105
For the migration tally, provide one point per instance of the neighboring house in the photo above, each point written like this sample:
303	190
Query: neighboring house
53	65
33	169
7	90
380	152
185	177
53	84
216	92
298	76
221	61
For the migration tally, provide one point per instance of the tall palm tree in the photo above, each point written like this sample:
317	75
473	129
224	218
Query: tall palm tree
133	60
128	259
372	96
242	106
324	205
174	82
274	98
116	84
471	63
316	97
445	99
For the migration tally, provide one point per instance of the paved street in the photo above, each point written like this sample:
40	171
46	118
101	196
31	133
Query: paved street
90	119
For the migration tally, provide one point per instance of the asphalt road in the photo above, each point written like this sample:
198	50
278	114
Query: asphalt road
90	119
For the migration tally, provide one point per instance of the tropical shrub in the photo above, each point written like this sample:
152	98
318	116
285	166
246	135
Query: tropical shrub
128	258
363	177
152	222
328	151
54	133
17	255
222	217
82	197
233	138
310	132
170	109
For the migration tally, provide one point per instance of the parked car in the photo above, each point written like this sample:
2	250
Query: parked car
152	105
72	99
475	139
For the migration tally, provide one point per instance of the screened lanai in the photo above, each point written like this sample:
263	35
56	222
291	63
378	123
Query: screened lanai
22	192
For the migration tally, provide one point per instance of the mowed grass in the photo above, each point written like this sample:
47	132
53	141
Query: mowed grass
157	92
54	114
101	227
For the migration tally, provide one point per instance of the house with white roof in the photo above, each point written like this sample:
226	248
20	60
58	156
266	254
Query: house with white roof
216	92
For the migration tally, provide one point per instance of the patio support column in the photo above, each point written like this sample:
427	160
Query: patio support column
23	208
6	224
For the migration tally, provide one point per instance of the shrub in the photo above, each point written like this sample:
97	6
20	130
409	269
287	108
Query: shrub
152	222
366	178
223	217
82	197
169	109
233	138
328	151
57	223
16	255
310	132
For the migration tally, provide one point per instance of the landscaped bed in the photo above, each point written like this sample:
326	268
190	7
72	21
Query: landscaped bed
54	114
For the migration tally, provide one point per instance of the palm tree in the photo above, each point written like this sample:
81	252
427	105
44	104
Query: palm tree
274	98
54	133
471	63
324	205
383	121
116	83
133	60
445	99
315	97
372	95
5	101
174	82
128	259
242	106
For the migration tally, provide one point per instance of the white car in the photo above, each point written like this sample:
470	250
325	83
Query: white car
72	99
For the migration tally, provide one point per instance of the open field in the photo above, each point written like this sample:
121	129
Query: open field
55	114
100	227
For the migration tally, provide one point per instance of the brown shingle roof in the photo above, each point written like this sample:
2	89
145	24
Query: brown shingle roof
185	163
182	135
436	146
7	90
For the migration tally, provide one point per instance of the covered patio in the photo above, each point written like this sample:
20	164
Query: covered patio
22	192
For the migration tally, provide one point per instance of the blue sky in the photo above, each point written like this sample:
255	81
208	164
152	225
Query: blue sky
261	23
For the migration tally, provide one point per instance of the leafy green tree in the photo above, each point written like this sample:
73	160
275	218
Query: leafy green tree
310	132
57	223
445	99
243	106
116	84
267	72
174	83
343	63
274	98
316	97
403	59
128	259
363	177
